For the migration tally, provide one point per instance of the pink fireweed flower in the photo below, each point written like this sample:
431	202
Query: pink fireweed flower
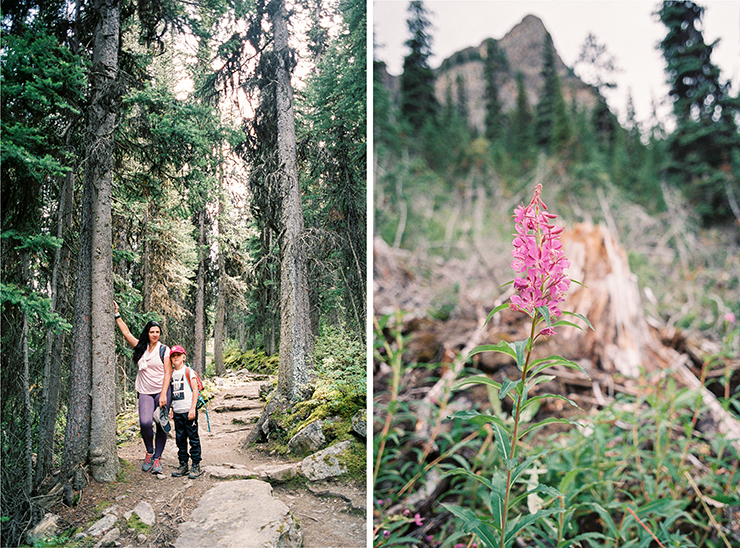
539	259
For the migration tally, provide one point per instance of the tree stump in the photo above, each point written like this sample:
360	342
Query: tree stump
609	298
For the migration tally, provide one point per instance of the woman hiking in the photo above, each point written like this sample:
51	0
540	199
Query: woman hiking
152	385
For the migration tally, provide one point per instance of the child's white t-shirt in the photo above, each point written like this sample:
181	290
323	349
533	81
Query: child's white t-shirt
182	393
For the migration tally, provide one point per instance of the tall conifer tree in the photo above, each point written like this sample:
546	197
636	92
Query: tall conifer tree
494	62
703	147
546	106
418	102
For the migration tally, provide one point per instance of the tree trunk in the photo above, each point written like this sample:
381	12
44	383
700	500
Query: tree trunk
119	268
199	359
77	432
55	341
295	366
242	332
218	328
296	344
99	168
146	258
25	384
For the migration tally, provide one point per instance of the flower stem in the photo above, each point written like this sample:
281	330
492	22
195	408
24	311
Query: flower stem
515	432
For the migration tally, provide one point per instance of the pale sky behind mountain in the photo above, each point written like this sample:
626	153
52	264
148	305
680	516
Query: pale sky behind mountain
627	28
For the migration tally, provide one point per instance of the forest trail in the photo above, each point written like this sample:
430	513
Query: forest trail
330	513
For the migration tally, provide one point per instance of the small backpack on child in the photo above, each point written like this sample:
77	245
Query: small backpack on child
201	401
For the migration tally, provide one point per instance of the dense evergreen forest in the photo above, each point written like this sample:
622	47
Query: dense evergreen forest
446	470
198	163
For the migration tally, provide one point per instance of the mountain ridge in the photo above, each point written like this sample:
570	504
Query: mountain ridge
523	47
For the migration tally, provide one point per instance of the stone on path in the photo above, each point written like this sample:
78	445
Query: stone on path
102	525
278	472
234	471
237	405
109	539
325	464
145	512
240	514
309	439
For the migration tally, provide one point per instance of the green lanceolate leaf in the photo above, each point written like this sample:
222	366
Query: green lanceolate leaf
554	493
524	465
548	420
467	516
517	526
544	396
499	308
463	472
477	379
506	386
520	349
539	380
477	418
565	322
502	347
502	439
472	523
498	495
543	363
545	313
580	316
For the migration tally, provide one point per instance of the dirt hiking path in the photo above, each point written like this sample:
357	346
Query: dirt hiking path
331	513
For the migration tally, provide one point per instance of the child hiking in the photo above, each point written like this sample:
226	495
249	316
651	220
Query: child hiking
185	414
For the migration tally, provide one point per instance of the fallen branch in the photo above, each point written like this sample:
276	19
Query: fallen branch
439	394
726	423
706	509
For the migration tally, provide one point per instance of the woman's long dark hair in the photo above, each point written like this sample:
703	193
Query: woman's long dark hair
141	346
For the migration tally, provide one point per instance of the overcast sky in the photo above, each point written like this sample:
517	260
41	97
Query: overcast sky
627	28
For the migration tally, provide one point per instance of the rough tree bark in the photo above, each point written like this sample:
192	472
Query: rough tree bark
25	384
218	327
99	169
296	344
55	341
146	261
295	366
199	358
77	432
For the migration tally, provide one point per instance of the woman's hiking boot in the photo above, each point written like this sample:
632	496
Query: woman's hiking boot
147	463
182	470
157	467
195	471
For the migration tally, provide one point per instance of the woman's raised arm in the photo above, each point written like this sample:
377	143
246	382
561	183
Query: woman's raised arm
133	341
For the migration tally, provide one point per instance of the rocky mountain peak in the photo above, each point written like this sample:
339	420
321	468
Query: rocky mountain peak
523	46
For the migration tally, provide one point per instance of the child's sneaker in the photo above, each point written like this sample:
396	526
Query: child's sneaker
157	467
195	471
181	471
147	463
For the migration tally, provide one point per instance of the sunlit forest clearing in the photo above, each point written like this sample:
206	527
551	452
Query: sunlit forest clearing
628	433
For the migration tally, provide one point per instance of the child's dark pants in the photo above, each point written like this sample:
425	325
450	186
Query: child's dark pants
187	429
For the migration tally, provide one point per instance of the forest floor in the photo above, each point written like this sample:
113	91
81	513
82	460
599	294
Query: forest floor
331	513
